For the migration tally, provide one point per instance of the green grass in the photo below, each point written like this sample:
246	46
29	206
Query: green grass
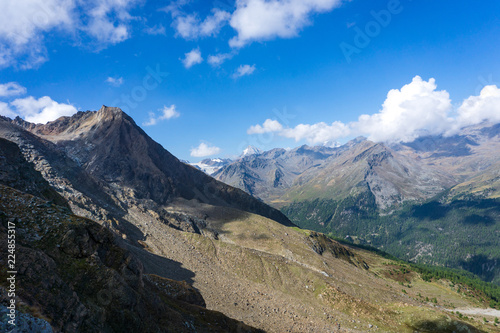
461	234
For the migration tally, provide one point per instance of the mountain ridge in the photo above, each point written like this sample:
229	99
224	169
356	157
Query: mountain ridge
270	275
152	174
385	194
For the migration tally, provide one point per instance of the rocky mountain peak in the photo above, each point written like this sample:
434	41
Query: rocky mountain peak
108	146
251	150
81	124
110	110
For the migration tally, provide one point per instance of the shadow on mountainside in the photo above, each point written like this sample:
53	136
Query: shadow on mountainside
482	265
161	266
443	326
478	219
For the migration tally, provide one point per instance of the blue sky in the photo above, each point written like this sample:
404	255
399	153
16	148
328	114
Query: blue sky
210	77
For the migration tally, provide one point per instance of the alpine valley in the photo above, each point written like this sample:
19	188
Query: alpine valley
434	201
116	234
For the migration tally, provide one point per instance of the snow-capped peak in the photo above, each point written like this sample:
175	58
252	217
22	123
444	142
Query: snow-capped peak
251	150
331	144
211	165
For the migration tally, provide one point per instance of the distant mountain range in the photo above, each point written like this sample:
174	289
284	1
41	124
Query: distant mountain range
211	165
338	189
115	233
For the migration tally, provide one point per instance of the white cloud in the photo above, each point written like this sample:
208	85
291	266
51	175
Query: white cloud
186	26
314	134
212	24
108	20
168	112
244	70
6	111
107	32
41	110
417	109
256	20
23	24
11	89
267	127
192	58
219	59
204	150
191	27
155	30
115	81
476	109
317	133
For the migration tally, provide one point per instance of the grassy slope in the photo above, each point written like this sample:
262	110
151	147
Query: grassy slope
328	288
461	233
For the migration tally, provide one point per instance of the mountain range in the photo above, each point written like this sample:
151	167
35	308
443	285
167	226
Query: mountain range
211	165
367	190
116	233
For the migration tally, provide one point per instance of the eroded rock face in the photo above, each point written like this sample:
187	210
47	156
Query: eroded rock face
25	323
16	173
280	177
72	272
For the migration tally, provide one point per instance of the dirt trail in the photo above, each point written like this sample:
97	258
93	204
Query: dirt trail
478	312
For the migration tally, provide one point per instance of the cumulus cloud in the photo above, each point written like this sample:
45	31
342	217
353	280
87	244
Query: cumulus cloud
24	23
41	110
11	89
115	81
108	20
244	70
268	126
34	110
256	20
168	112
6	111
204	150
417	109
477	109
155	30
192	58
314	134
317	133
186	26
219	59
213	23
189	26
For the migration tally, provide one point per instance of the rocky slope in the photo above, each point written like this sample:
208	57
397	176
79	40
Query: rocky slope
280	177
469	152
181	225
270	174
423	201
392	173
16	173
74	274
110	147
486	184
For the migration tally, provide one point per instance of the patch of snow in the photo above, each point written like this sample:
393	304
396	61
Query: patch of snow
251	150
